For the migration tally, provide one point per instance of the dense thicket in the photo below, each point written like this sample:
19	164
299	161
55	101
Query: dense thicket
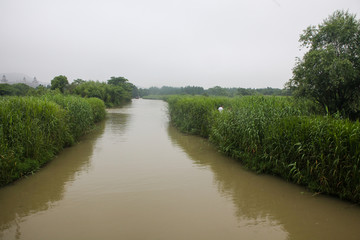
280	136
34	129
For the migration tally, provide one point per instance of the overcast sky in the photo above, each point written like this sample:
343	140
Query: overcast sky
229	43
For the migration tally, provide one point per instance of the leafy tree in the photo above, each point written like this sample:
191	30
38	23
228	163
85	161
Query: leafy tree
329	72
112	94
78	81
59	82
117	81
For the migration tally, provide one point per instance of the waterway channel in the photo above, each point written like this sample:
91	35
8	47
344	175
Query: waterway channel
136	177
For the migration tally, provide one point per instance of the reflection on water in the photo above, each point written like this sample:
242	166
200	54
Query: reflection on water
269	202
44	189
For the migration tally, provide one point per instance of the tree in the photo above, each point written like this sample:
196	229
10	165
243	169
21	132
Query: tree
59	82
329	73
117	80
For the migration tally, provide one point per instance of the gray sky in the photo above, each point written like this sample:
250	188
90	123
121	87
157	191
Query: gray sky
230	43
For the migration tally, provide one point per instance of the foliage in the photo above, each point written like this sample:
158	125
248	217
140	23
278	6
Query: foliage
240	132
59	82
215	91
98	108
194	114
329	72
280	136
117	81
18	89
79	115
34	129
322	153
115	93
166	90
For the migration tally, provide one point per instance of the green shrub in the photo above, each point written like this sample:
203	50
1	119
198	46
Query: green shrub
98	109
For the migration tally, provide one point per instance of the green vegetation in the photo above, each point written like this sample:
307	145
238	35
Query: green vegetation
309	139
117	90
114	93
59	82
214	91
38	123
329	72
280	136
34	129
194	114
98	109
18	89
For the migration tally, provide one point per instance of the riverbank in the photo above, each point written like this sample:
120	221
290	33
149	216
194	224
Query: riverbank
34	129
279	136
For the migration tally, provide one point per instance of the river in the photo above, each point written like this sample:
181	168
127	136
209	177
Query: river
136	177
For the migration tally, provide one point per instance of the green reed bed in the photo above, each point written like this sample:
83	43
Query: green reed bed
321	153
280	136
34	129
194	114
98	108
79	115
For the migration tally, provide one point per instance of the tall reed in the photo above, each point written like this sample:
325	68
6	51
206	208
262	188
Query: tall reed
31	131
280	136
194	114
79	115
98	108
34	129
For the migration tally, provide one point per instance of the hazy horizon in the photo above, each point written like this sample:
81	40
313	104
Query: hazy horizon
228	43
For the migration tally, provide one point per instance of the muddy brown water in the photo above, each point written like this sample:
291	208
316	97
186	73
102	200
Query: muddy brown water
136	177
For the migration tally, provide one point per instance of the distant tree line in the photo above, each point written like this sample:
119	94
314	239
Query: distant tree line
18	89
214	91
118	90
114	92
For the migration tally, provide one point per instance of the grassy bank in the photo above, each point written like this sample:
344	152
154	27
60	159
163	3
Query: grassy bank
280	136
34	129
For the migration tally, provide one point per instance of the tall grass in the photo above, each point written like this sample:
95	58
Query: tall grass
280	136
322	153
79	116
34	129
98	108
194	114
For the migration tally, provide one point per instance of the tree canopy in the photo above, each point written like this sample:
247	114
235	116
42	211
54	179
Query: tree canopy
329	73
59	82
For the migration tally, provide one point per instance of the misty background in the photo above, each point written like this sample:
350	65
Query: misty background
207	43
